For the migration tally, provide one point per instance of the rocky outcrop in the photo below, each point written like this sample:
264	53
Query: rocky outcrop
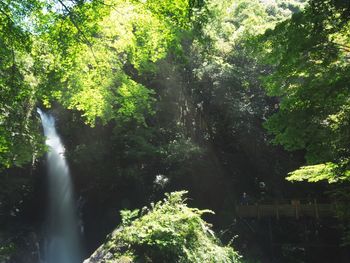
106	253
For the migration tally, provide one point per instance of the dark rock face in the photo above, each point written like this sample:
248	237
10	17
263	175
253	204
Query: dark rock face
106	252
101	255
23	248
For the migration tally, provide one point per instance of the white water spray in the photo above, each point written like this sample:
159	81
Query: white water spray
62	243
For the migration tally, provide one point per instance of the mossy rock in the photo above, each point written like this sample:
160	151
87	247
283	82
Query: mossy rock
169	231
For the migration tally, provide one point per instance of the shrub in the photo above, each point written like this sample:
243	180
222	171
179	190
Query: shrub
168	231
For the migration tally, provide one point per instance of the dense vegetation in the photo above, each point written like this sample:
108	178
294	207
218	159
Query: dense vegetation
169	231
156	96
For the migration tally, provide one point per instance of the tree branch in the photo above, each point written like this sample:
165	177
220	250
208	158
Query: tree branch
89	44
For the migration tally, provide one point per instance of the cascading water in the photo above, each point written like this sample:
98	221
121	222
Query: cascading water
62	241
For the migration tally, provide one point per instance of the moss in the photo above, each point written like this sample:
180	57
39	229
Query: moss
169	231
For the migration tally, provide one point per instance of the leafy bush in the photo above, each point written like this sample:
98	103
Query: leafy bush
169	231
6	251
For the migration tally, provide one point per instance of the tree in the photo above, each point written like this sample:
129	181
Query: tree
86	55
18	144
308	55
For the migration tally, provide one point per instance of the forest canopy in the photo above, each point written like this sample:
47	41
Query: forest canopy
84	55
96	57
309	55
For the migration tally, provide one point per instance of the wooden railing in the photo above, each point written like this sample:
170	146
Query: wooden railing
287	208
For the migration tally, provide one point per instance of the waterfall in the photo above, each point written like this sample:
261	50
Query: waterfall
62	237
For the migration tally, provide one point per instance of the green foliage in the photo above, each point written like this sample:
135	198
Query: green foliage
169	231
18	143
223	56
180	150
87	55
231	22
128	216
309	60
134	101
309	73
315	173
6	251
177	13
121	39
226	91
